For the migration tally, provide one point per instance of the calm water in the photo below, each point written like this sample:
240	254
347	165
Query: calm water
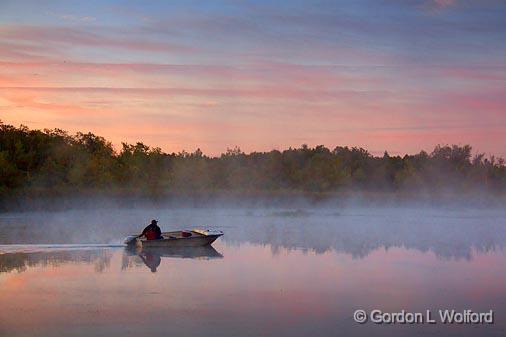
276	272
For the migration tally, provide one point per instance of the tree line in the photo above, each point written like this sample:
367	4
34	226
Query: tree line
54	163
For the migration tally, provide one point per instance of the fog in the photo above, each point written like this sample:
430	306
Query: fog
448	232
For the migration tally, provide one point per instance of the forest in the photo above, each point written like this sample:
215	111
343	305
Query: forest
53	163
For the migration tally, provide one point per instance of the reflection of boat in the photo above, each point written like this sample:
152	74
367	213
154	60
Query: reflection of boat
193	238
152	256
203	252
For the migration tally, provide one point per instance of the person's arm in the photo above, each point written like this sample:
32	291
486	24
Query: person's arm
144	231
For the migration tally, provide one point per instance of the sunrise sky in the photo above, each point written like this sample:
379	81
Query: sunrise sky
388	75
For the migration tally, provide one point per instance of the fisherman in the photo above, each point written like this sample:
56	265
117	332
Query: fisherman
152	231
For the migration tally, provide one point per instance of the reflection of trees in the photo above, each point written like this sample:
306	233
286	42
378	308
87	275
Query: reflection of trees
359	236
21	261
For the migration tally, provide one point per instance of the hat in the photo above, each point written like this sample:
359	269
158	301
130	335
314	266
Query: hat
154	221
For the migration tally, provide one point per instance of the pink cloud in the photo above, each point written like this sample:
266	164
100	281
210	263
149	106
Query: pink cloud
74	37
495	73
313	77
443	3
259	106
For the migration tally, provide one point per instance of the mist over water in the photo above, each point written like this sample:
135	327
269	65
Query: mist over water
277	271
447	232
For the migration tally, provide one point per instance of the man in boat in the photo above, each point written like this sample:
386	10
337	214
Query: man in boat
152	231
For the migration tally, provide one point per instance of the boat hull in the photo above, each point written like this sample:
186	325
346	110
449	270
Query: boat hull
192	241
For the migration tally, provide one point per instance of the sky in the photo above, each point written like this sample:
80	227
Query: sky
401	76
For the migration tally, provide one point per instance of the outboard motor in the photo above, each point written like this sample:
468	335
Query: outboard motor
130	240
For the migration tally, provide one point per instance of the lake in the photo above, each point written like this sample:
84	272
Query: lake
275	272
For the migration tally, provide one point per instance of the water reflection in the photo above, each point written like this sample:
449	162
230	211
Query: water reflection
298	291
151	260
20	261
152	257
446	240
21	258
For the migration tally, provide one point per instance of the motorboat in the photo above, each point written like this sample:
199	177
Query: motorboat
182	238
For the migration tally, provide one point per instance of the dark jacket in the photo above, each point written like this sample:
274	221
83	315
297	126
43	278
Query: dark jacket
153	227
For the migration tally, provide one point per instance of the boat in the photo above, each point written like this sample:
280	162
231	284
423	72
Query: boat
184	238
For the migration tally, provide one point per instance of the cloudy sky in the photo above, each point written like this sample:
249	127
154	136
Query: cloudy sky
388	75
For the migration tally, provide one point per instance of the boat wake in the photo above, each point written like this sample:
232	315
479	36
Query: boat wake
35	248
